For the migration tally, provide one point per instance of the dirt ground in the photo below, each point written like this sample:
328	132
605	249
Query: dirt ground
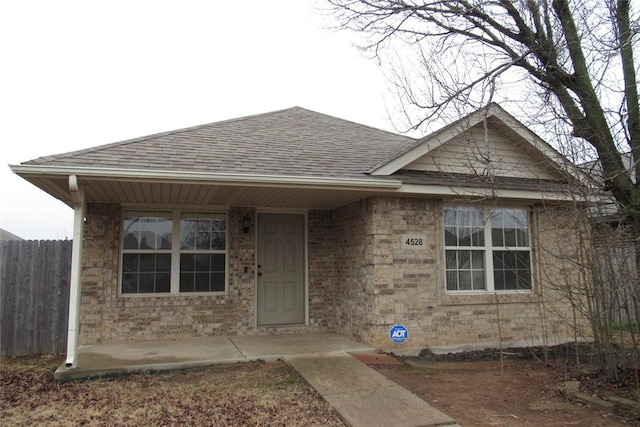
475	393
518	393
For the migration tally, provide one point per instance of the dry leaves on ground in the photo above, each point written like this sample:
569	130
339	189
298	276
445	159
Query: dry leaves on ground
243	394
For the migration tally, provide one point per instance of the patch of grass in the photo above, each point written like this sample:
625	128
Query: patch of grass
289	381
417	370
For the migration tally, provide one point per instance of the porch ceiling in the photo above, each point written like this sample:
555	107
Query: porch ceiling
201	193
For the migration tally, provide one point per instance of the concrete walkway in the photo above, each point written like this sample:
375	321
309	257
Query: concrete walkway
361	395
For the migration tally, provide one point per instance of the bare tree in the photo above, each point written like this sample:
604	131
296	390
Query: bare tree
577	57
569	65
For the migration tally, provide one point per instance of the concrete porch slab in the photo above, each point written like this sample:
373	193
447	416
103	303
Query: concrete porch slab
112	359
273	347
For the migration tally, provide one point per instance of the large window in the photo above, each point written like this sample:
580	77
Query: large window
487	249
168	252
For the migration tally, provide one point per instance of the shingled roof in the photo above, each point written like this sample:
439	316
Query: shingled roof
291	142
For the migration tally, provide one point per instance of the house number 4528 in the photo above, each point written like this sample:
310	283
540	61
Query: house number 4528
414	241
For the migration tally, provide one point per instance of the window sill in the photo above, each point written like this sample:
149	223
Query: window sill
489	298
169	295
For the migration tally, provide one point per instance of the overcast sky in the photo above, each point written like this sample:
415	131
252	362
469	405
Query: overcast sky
77	74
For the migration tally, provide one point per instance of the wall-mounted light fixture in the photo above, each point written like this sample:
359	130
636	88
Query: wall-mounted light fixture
246	224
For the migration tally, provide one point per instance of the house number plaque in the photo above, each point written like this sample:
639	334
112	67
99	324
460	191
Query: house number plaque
414	241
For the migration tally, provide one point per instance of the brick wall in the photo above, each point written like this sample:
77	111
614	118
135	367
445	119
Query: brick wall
108	317
362	281
322	270
382	283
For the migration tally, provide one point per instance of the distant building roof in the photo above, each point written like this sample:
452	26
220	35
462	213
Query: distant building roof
5	235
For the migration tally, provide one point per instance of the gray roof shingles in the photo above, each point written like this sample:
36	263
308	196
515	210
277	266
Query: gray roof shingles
293	142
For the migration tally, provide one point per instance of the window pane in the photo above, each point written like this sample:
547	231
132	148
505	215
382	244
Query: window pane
203	231
508	218
147	262
187	262
452	281
510	280
202	272
217	282
478	280
218	262
186	282
477	260
163	282
145	285
450	237
131	240
512	270
498	261
464	259
464	235
129	283
509	260
498	280
520	218
163	263
509	227
509	237
203	241
522	260
496	237
130	263
524	279
464	280
218	241
523	237
203	262
202	282
451	260
496	218
450	217
477	237
147	230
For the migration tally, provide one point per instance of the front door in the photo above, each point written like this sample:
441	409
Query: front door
281	272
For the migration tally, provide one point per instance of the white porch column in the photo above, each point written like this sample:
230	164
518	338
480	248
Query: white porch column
77	194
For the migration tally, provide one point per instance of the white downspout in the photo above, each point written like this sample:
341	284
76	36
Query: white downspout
77	195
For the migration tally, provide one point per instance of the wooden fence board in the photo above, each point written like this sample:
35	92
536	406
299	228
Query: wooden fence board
34	296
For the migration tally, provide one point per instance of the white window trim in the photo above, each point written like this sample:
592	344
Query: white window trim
487	250
175	253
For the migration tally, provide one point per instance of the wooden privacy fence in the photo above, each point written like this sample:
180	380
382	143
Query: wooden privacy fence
34	296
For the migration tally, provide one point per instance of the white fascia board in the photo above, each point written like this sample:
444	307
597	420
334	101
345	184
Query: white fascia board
438	190
207	177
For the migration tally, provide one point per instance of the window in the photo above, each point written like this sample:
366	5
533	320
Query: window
168	252
487	249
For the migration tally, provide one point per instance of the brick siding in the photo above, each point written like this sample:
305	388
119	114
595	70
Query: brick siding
361	281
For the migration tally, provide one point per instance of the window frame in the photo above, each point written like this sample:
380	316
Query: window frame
488	250
175	251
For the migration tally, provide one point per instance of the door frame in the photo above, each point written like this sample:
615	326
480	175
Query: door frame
305	245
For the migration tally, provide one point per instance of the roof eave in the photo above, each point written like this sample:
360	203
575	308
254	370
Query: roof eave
481	193
208	177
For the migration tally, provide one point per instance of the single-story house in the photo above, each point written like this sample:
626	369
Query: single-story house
295	221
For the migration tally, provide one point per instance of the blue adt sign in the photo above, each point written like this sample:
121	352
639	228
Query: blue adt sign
398	334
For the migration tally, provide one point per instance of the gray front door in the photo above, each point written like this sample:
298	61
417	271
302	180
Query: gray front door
281	272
